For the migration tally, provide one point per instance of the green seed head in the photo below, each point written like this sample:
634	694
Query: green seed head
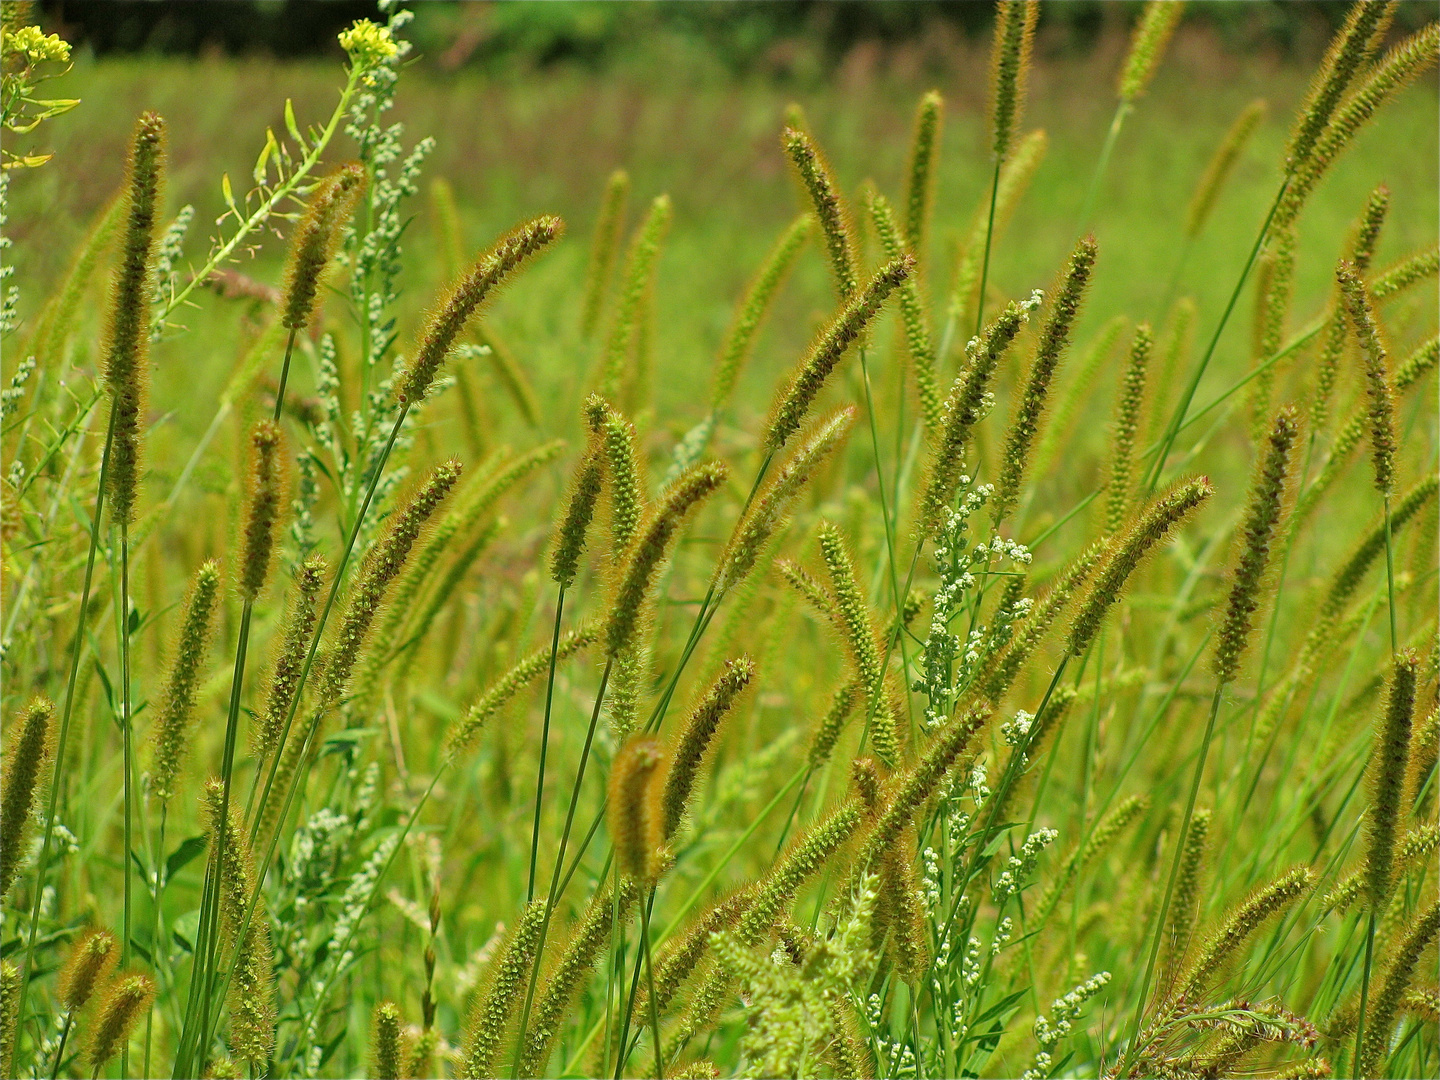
1348	51
699	731
1377	380
603	246
266	492
1126	427
127	999
91	959
1010	67
1147	44
315	240
634	818
829	209
1387	779
387	1043
580	509
1221	165
27	757
920	188
172	726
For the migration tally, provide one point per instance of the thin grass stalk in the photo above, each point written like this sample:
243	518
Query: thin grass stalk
127	761
985	260
544	742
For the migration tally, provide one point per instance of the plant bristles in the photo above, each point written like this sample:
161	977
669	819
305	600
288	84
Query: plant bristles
609	224
1147	44
920	177
490	1017
695	739
1054	339
289	658
912	312
1377	379
92	957
1405	273
584	493
1010	68
1221	165
622	469
387	1040
315	241
1348	51
830	210
622	357
127	333
446	321
827	732
263	513
1379	1024
793	405
635	820
126	1000
27	759
1185	905
1263	510
1387	780
1126	426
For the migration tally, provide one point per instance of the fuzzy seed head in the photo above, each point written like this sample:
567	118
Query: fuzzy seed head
9	1012
622	464
27	757
1147	44
388	1043
1152	525
805	857
126	1000
1269	900
827	732
447	320
290	659
1348	50
1221	165
699	731
266	493
127	337
638	283
1377	381
603	246
88	965
1126	427
172	727
830	210
491	1016
1010	67
1405	959
579	511
1268	492
315	240
920	188
1368	234
635	827
912	311
1387	779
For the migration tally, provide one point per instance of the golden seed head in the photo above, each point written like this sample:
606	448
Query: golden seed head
127	998
829	208
635	827
1010	67
27	758
315	240
88	965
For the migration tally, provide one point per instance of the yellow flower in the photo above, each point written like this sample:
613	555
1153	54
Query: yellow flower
38	47
368	44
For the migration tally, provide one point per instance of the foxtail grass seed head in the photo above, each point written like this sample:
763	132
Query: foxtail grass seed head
91	959
1266	901
290	659
579	510
604	245
830	209
1187	894
970	398
445	322
817	444
912	311
651	548
127	335
793	406
1153	525
1221	165
315	241
172	727
622	465
740	341
1387	780
264	510
1054	339
27	758
127	999
1268	491
1126	428
635	826
1348	51
1379	1025
804	859
699	731
506	984
387	1043
9	1013
1409	271
1010	68
920	187
382	565
1147	45
622	349
1377	379
827	732
1367	235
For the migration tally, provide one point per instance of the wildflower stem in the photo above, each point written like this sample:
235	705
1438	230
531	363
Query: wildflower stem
127	756
1390	580
985	261
64	1037
58	772
284	376
544	743
1111	137
1355	1069
1163	914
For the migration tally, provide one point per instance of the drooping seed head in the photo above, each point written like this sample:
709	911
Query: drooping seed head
1010	67
579	510
1377	380
27	757
1147	44
126	1000
266	493
635	819
1379	1025
315	241
637	284
1268	492
699	731
920	187
1221	165
290	659
1348	51
1387	779
1268	900
1372	219
827	732
444	324
608	225
829	208
88	965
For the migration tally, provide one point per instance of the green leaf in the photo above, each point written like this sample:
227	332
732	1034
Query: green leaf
290	125
263	161
183	855
228	194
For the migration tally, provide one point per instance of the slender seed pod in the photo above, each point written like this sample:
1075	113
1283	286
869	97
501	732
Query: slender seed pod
968	401
1405	273
1187	897
579	510
678	960
126	1000
382	565
818	443
792	406
1327	365
638	284
1387	780
806	855
695	740
493	1009
1147	44
127	336
1414	848
1078	394
1264	902
264	510
1377	381
921	781
1268	492
1367	234
387	1043
251	997
1152	525
827	732
635	826
9	1014
1381	1021
290	659
1033	630
1054	339
1348	51
627	502
91	959
652	547
177	706
1220	166
26	761
920	186
555	1001
912	313
1275	285
462	736
315	241
444	323
830	209
1126	427
603	246
860	641
750	316
1010	67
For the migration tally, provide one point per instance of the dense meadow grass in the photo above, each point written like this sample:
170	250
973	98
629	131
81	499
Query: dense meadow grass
919	740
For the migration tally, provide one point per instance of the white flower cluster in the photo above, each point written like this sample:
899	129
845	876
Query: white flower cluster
1014	731
1022	866
1061	1022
